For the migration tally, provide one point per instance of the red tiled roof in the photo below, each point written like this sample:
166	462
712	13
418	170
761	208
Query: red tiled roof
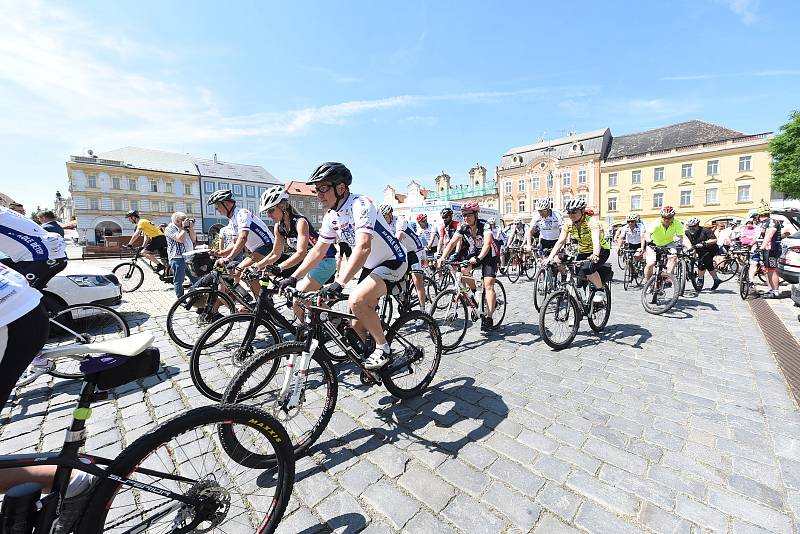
300	188
425	192
400	197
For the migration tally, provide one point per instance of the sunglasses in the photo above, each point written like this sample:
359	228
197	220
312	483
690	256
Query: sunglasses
571	212
322	189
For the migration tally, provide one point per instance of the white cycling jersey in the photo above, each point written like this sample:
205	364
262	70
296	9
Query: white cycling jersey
17	297
408	237
428	235
633	235
550	226
258	233
515	236
356	215
21	239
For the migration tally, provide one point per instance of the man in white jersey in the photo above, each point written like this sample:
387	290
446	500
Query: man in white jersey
415	251
427	233
376	252
546	225
630	235
30	249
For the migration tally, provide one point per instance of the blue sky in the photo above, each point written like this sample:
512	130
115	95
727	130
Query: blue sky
396	90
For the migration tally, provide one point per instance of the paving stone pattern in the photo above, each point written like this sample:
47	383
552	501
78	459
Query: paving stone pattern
676	423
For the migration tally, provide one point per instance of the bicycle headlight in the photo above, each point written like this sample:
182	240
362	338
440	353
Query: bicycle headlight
89	280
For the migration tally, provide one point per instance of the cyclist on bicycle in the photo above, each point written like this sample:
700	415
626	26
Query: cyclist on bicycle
415	252
771	249
704	243
427	233
497	233
662	233
546	226
446	230
592	245
154	240
30	249
296	230
629	237
474	242
379	256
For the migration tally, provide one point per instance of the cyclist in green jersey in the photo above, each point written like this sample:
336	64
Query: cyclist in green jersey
668	230
592	245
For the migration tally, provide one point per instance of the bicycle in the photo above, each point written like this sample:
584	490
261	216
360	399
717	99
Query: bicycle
563	309
304	398
72	329
661	291
453	308
131	275
404	293
516	264
546	280
174	478
633	275
745	284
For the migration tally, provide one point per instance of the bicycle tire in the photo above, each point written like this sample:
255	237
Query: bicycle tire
130	276
627	274
205	296
513	271
650	286
744	282
431	289
228	348
598	326
117	328
443	278
500	305
680	276
139	461
622	258
727	269
638	274
329	346
445	310
542	286
564	307
429	326
266	398
531	269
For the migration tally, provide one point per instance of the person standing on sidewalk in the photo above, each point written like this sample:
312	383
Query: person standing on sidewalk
180	235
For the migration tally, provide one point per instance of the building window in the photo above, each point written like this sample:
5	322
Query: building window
117	204
636	202
508	207
582	177
189	208
566	178
636	177
261	191
744	163
168	187
94	204
521	205
612	203
566	199
115	183
131	184
508	187
686	197
712	195
521	185
170	207
211	210
712	167
300	204
237	190
658	200
658	174
187	189
686	170
154	186
743	193
224	185
536	183
612	179
92	180
250	190
134	204
582	196
549	181
209	187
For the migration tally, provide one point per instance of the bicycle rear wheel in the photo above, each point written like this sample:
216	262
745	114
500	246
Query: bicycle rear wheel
627	274
130	276
452	317
660	293
542	286
514	269
531	268
92	323
258	383
191	314
559	319
744	282
500	306
415	339
183	456
599	313
727	269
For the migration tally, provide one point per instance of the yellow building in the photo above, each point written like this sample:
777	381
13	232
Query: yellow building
701	169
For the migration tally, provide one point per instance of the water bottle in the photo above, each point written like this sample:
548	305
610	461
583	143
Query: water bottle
18	514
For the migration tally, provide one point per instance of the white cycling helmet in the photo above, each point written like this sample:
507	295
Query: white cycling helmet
575	204
518	220
272	197
492	221
386	209
633	217
220	195
544	204
693	221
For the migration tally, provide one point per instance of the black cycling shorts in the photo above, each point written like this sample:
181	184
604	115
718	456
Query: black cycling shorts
19	345
547	244
38	273
705	262
489	267
158	244
589	268
770	257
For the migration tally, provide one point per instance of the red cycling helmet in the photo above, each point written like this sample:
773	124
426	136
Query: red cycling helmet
667	211
421	217
470	207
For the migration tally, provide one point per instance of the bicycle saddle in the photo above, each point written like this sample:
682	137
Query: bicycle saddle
126	346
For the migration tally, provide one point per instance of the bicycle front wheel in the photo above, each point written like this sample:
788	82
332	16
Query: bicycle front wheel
542	286
660	293
259	384
416	352
514	269
727	269
191	314
500	303
599	312
559	319
183	457
452	317
744	282
531	268
130	276
82	323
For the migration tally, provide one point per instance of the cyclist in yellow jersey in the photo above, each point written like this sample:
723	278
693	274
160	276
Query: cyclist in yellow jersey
154	239
592	244
668	230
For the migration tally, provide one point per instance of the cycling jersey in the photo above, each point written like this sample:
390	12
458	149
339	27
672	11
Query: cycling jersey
408	237
21	239
258	234
699	235
776	237
550	226
582	233
427	235
16	297
358	214
473	246
633	235
497	234
749	234
446	232
148	228
661	236
516	236
290	234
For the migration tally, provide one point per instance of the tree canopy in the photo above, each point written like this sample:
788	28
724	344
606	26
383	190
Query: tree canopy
785	151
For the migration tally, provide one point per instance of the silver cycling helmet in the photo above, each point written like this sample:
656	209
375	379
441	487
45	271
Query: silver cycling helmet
272	197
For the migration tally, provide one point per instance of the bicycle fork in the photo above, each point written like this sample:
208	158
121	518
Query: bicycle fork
297	368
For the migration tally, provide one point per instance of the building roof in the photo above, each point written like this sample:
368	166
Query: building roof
213	168
152	160
560	141
300	188
592	142
683	134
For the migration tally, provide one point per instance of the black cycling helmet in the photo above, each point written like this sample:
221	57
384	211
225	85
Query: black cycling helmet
331	171
446	212
220	196
132	213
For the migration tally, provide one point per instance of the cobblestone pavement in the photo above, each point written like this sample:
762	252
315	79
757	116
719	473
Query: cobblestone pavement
677	423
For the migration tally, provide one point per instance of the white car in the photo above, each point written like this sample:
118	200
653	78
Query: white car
80	283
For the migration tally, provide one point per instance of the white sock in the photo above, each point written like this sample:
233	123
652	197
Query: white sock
80	483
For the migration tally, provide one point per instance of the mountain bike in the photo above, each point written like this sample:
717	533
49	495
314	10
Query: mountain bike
563	309
131	274
661	291
175	478
454	308
687	269
633	273
745	284
303	397
516	265
404	293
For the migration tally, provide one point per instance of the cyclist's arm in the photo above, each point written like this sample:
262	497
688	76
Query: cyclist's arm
559	244
528	235
274	254
312	259
456	239
302	246
135	235
596	240
238	246
358	258
768	235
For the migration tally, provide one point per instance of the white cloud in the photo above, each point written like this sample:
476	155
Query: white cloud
761	73
744	9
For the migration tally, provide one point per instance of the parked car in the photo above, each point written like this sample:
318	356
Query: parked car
789	262
80	283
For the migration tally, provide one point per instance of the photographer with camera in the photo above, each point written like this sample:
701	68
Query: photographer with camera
180	235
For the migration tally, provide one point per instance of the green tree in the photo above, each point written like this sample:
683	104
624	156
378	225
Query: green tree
785	151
